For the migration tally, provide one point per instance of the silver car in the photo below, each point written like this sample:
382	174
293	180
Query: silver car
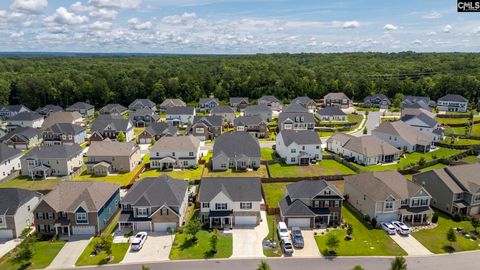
287	246
388	228
401	228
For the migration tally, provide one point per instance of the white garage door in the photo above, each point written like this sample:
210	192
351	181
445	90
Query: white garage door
83	230
142	226
144	141
6	234
163	227
386	218
20	146
299	222
245	220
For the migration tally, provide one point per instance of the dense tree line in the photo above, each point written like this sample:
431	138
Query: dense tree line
36	81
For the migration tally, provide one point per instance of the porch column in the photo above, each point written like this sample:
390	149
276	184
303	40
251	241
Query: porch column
210	220
401	218
421	218
328	220
68	227
231	222
56	230
151	227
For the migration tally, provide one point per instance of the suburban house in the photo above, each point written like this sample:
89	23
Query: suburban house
295	108
7	111
25	119
154	204
424	123
175	152
110	126
404	137
48	109
228	202
311	204
142	103
416	111
306	102
85	109
155	131
454	189
180	115
16	211
270	101
23	138
296	121
143	117
54	160
388	196
9	160
113	109
364	150
226	112
263	111
452	103
77	208
64	133
109	157
62	117
337	99
331	114
417	102
377	101
251	124
171	102
207	127
236	150
299	146
207	104
239	103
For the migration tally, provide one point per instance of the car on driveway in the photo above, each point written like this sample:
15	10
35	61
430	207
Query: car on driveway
287	246
401	228
139	240
282	230
297	237
389	228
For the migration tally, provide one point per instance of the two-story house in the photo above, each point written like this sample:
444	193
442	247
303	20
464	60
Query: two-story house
9	160
228	202
207	104
251	124
237	150
226	112
299	146
64	133
113	109
23	138
177	115
62	117
48	109
404	137
142	103
455	189
143	117
175	152
388	196
85	109
311	204
107	157
271	101
296	121
207	127
155	131
238	103
110	126
25	119
306	102
77	208
377	101
424	123
54	160
331	114
7	111
337	99
452	103
155	204
417	102
171	102
263	111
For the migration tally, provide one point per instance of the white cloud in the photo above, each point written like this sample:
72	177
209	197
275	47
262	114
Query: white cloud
135	23
416	42
103	13
390	27
433	33
179	19
17	34
63	16
447	28
100	25
125	4
3	13
432	15
477	30
78	7
350	25
30	6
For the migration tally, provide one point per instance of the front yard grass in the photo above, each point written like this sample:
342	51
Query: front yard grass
43	254
260	172
365	242
436	241
272	233
27	183
324	167
192	174
267	153
184	249
118	252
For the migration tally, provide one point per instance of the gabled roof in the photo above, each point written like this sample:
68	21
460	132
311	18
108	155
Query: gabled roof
13	198
173	102
15	108
208	100
238	189
303	100
54	152
143	102
212	120
161	128
26	116
238	99
49	109
335	95
295	208
176	144
8	153
416	111
330	110
295	108
247	121
427	120
380	97
80	106
145	112
113	107
185	110
117	123
269	99
294	116
90	195
24	132
61	117
365	145
453	97
223	109
300	137
408	133
262	108
234	144
66	128
416	99
111	148
466	176
309	189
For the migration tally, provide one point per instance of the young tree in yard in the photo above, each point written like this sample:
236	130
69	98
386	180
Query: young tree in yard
23	254
475	224
263	266
121	137
399	263
451	237
357	267
422	161
104	244
332	242
214	241
349	230
192	228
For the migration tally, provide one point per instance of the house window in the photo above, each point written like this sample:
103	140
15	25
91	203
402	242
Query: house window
476	198
337	203
326	204
142	212
245	205
190	154
293	151
404	202
318	147
205	205
334	215
164	212
316	204
50	215
292	159
223	165
2	222
388	206
220	206
327	192
81	218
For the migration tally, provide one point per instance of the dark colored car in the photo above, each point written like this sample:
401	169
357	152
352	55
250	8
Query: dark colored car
297	237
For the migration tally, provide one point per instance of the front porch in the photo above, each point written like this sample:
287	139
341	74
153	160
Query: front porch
415	215
220	219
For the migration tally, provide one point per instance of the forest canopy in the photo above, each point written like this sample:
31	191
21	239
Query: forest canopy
37	81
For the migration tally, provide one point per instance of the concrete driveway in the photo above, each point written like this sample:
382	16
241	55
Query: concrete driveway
310	248
410	245
143	149
247	240
156	248
373	121
68	256
6	245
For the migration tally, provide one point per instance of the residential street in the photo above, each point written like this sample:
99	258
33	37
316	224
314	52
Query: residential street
373	120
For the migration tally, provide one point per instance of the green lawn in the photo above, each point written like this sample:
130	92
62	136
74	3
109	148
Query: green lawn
455	131
459	141
27	183
271	136
436	240
193	174
434	167
366	242
118	252
475	130
184	249
261	172
470	159
274	192
449	121
324	167
267	153
43	254
272	232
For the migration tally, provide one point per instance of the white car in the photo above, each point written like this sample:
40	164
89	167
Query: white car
401	227
139	240
282	230
389	228
287	246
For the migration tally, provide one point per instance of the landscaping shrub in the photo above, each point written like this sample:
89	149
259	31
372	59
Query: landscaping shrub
457	218
374	222
435	218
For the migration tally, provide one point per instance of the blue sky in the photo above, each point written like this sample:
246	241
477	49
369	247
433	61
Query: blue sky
236	26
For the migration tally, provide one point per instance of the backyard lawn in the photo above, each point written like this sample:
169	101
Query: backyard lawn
193	174
475	130
267	153
324	167
43	254
27	183
449	121
436	239
459	141
184	249
261	172
365	242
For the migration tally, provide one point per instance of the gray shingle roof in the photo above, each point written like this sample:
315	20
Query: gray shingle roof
15	108
380	97
330	110
247	120
466	175
61	117
303	100
235	100
54	152
309	189
335	95
176	144
186	110
430	122
66	128
300	137
234	144
262	108
143	101
208	100
7	153
238	189
26	116
453	97
401	129
173	102
161	128
223	109
295	108
102	122
294	208
25	132
80	106
293	116
12	198
415	99
269	98
212	120
49	109
111	148
110	107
